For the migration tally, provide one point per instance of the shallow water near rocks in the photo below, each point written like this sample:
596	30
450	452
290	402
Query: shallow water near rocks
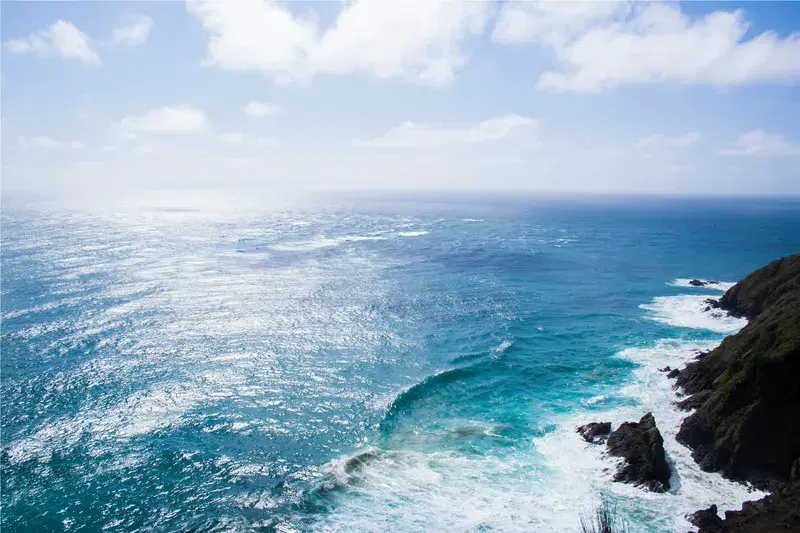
370	364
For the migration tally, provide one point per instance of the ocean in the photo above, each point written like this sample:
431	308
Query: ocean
403	363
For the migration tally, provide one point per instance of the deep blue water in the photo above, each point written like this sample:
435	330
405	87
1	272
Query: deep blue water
411	363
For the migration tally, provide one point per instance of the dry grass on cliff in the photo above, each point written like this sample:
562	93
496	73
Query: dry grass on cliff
603	520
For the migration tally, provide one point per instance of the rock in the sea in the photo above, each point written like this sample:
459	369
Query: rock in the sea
595	432
778	512
707	520
748	422
665	369
641	446
674	373
697	283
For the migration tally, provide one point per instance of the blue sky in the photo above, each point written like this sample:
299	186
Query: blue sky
257	95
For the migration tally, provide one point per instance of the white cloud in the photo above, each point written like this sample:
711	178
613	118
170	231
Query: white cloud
135	33
663	141
61	38
601	46
551	22
145	149
231	138
764	144
109	148
48	143
45	142
413	135
260	109
414	39
267	141
169	119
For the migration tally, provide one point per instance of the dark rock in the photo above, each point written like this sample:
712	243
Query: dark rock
702	353
694	401
747	424
697	283
794	475
674	373
707	520
780	511
763	287
595	429
665	369
641	446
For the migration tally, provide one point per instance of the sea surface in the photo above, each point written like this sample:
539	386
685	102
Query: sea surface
377	364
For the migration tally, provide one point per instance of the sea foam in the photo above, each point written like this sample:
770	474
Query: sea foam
691	311
709	284
323	242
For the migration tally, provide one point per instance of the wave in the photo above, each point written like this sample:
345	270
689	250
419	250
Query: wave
140	413
323	242
505	345
49	306
412	233
436	491
691	311
709	284
594	400
426	387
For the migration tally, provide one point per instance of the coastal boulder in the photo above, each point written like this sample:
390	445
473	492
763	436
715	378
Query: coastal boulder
697	283
595	432
641	446
707	520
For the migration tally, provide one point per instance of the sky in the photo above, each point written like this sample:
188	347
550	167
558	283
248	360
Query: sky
261	95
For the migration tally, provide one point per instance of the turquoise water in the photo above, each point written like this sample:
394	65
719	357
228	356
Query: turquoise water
363	364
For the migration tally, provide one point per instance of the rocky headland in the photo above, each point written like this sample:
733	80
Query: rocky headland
746	399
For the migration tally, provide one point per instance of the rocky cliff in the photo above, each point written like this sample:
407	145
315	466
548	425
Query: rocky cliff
747	390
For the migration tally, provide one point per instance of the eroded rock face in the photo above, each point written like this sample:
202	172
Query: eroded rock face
595	432
747	396
746	392
694	401
641	446
778	512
